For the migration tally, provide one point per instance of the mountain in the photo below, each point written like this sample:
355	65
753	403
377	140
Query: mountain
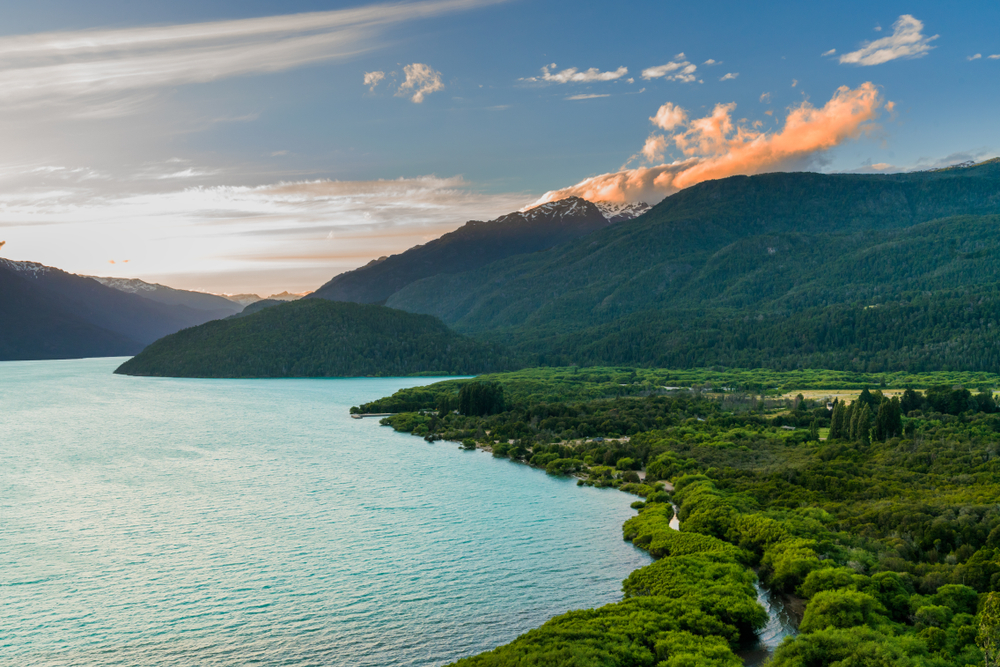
742	271
317	338
46	313
219	306
242	299
476	244
247	299
36	324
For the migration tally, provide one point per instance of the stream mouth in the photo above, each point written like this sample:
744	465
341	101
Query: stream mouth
782	620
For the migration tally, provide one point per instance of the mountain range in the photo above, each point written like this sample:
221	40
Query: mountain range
46	313
784	270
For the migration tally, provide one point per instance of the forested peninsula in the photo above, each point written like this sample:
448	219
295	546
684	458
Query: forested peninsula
878	510
318	338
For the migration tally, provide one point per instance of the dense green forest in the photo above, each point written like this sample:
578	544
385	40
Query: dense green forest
889	530
317	338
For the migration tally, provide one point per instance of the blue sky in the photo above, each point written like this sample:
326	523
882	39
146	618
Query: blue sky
188	143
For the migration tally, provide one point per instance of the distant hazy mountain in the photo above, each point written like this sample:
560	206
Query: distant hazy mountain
46	313
218	305
246	299
317	338
477	244
242	299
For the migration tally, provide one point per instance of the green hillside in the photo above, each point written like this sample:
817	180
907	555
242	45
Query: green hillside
317	338
782	270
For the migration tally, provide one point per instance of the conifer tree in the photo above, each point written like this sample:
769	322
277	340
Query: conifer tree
837	421
864	425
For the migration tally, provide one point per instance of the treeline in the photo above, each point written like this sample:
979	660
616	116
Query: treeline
318	338
562	384
950	330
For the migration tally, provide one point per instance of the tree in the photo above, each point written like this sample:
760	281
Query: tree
988	638
480	399
861	425
888	421
837	421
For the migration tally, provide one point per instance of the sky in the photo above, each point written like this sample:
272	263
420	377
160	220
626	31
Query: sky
262	146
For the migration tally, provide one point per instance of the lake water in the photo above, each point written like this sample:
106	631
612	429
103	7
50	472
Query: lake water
231	522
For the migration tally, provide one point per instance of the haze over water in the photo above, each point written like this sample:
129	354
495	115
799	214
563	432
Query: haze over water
179	522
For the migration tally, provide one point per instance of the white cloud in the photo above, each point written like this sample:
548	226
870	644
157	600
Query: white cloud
828	53
995	56
711	62
730	75
975	57
677	69
372	79
41	69
573	75
235	238
587	97
906	41
421	80
669	116
765	98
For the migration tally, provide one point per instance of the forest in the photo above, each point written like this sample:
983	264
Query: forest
318	338
887	528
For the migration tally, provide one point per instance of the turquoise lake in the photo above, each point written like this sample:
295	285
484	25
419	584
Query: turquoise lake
149	521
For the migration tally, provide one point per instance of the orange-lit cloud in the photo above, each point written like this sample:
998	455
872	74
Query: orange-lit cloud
715	147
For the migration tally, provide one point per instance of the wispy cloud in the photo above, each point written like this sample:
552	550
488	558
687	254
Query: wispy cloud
592	96
729	76
715	146
40	69
995	56
906	41
828	53
574	75
975	57
421	80
678	69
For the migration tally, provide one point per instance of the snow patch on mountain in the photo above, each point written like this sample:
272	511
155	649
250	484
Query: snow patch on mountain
619	212
29	269
129	285
569	207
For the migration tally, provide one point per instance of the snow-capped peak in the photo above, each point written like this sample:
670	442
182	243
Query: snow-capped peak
33	269
571	206
619	212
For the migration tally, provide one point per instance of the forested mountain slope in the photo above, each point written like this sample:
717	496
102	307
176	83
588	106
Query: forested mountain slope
780	270
474	245
694	238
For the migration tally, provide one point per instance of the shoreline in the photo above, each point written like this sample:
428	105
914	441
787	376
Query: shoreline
788	610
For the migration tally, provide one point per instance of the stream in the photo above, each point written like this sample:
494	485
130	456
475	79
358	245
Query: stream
782	621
